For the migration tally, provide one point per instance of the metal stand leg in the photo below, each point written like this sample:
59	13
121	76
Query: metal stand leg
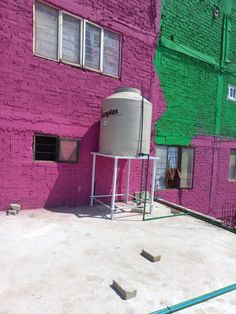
127	183
153	185
114	188
93	178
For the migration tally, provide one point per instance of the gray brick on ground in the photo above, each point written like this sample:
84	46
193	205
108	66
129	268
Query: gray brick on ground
123	288
151	255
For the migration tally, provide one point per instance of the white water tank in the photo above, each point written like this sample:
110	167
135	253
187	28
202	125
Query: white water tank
121	123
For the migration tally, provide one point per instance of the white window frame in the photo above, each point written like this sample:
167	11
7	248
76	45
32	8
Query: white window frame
178	159
120	51
230	179
60	39
101	47
57	148
230	97
82	41
34	30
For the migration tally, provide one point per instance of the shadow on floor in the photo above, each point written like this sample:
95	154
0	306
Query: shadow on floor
98	212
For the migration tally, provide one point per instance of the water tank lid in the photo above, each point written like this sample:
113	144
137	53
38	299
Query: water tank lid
128	89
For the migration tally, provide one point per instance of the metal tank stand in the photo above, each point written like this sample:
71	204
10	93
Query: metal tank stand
113	196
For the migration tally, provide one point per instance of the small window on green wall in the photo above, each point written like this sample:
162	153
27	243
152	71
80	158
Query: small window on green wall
231	93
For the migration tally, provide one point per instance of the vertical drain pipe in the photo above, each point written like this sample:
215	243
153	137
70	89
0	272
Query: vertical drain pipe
141	135
146	187
141	148
148	162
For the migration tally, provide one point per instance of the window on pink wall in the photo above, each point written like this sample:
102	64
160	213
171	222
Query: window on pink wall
53	148
64	37
46	31
71	39
68	150
232	165
174	168
45	148
92	46
111	53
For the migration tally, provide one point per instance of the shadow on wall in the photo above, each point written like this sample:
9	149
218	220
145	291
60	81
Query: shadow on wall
71	187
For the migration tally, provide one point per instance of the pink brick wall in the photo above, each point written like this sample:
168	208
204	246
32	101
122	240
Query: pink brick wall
41	96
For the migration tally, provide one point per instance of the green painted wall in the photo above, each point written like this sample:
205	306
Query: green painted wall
196	61
228	117
190	22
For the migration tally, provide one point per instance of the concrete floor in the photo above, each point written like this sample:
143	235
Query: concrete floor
64	262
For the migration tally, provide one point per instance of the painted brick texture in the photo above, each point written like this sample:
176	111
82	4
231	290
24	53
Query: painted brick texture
191	23
196	101
42	96
195	85
188	86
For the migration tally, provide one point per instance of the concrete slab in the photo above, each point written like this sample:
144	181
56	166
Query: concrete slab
63	262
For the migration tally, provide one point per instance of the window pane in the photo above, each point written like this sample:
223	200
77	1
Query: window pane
186	168
111	53
45	147
232	164
172	171
161	152
46	25
232	93
92	46
71	39
68	150
172	161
